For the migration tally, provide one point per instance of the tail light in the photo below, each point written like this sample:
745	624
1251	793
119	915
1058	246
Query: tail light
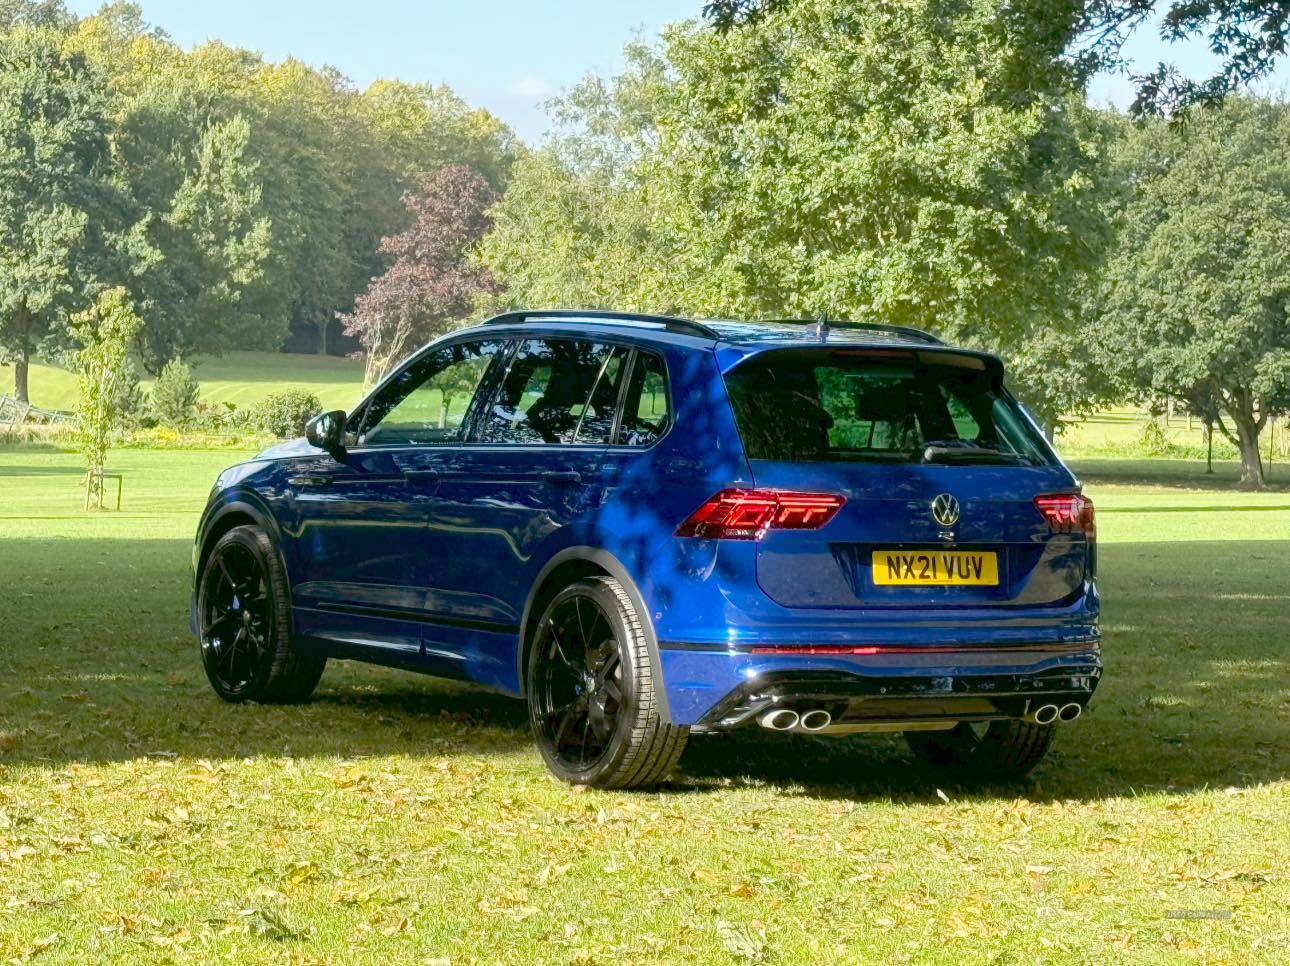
1067	513
736	514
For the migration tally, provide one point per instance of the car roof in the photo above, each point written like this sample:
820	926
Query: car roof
734	340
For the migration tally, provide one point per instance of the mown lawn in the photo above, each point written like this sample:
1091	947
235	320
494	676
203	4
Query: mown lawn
397	819
240	378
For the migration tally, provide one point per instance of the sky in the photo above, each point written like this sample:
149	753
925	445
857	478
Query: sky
505	55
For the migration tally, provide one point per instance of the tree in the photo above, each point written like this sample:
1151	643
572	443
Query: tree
104	332
432	281
1197	301
202	230
54	191
330	165
1248	35
578	226
174	394
38	13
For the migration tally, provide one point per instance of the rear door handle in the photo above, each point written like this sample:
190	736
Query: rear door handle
562	476
421	476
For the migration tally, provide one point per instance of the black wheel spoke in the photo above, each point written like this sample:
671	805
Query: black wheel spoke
559	648
582	631
223	569
612	689
566	720
224	628
230	650
608	632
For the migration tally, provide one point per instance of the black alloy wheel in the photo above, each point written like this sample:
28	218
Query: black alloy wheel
242	614
579	686
591	693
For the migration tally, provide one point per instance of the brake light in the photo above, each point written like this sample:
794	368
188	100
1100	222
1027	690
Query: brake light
735	514
1067	513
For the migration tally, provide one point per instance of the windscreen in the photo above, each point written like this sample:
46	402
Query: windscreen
852	406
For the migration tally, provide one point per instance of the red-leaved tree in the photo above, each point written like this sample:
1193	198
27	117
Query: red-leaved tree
432	283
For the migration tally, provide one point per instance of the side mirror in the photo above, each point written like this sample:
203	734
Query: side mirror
327	431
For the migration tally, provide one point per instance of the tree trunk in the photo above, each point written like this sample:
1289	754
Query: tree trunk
1209	444
323	326
20	369
1247	440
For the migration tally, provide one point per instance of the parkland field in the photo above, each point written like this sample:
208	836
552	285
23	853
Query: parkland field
397	819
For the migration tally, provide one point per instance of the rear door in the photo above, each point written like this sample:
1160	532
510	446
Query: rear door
939	469
532	468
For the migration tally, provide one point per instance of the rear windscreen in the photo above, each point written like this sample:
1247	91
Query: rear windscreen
834	405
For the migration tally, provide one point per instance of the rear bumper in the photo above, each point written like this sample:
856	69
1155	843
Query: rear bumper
719	689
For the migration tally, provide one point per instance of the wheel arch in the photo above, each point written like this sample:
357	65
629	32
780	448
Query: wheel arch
574	563
235	513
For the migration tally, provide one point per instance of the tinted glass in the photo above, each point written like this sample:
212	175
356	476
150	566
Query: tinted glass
645	414
557	391
832	406
428	401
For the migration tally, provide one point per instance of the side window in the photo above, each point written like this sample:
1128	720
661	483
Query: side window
557	391
428	401
646	414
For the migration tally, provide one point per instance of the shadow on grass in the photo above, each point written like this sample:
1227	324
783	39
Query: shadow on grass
1181	474
97	665
40	469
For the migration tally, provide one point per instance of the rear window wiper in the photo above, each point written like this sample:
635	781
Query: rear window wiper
959	451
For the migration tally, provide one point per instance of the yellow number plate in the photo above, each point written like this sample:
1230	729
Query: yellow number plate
935	568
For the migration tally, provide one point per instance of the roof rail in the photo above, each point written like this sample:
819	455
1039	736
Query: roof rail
668	322
918	335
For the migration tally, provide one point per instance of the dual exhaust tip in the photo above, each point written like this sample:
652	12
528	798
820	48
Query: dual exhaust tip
786	719
817	719
1048	713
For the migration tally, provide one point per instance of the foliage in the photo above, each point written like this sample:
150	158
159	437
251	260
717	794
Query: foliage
53	193
1197	301
284	414
329	163
1249	37
104	332
432	282
174	394
238	200
910	163
580	225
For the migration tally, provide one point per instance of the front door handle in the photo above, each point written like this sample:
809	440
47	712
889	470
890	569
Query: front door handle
421	477
563	477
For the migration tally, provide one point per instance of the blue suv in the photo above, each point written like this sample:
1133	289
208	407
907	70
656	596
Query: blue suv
650	526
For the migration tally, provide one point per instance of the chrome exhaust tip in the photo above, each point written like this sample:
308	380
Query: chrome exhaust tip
780	719
1070	712
1045	714
816	720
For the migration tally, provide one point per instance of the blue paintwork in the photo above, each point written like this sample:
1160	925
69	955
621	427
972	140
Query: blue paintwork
436	572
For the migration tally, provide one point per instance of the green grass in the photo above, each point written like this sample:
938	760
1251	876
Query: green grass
241	378
398	819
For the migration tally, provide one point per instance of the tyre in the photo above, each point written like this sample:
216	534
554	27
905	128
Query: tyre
993	751
592	693
244	627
